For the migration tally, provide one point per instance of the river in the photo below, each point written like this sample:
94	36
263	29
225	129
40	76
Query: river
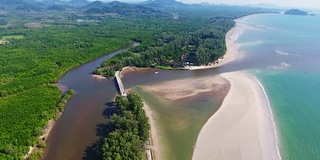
78	129
77	132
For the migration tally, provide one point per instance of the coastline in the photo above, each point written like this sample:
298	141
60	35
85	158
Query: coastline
243	127
230	55
232	48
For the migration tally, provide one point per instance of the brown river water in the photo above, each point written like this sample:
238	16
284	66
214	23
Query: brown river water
77	133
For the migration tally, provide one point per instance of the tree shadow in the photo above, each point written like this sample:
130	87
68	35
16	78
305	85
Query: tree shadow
94	152
110	110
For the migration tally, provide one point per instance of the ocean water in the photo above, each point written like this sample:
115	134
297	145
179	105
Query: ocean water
283	52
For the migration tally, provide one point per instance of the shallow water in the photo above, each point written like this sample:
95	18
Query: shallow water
287	64
181	120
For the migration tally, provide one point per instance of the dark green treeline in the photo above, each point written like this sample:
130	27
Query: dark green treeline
131	130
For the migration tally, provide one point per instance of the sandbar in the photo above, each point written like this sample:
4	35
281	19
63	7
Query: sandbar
242	128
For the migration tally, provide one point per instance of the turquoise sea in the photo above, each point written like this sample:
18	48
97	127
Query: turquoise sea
283	52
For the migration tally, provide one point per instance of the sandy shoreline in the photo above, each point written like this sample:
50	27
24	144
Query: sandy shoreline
232	49
231	53
155	137
242	128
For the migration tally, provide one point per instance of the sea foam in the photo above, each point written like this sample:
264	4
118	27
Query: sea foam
275	131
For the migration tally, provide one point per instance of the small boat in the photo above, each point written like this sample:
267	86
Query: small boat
156	72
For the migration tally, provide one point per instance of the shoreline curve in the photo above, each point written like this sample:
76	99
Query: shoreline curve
244	126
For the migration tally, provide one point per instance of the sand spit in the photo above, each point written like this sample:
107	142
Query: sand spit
178	90
242	128
185	88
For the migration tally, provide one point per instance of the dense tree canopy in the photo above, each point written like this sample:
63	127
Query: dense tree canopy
31	62
131	130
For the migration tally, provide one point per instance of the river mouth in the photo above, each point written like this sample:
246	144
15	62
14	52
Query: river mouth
82	124
181	108
78	131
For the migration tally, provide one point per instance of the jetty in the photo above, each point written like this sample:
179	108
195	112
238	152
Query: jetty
120	84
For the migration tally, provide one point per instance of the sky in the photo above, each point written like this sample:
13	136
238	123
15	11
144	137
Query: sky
286	3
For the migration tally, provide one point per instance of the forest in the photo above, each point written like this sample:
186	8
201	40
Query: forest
172	49
30	68
131	130
38	46
190	39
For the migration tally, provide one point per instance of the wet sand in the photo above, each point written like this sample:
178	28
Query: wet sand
242	128
180	113
185	88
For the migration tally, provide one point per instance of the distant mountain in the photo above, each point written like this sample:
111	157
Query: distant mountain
29	7
95	4
57	8
31	1
20	5
119	8
12	2
296	12
52	2
78	2
265	5
165	2
73	3
161	3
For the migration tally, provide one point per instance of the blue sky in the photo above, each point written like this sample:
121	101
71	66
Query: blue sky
288	3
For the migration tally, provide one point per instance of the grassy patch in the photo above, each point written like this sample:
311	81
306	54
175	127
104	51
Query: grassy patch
17	37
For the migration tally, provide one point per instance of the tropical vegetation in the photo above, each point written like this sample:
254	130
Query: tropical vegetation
131	130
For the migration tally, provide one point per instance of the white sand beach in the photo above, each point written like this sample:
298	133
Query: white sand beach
243	128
